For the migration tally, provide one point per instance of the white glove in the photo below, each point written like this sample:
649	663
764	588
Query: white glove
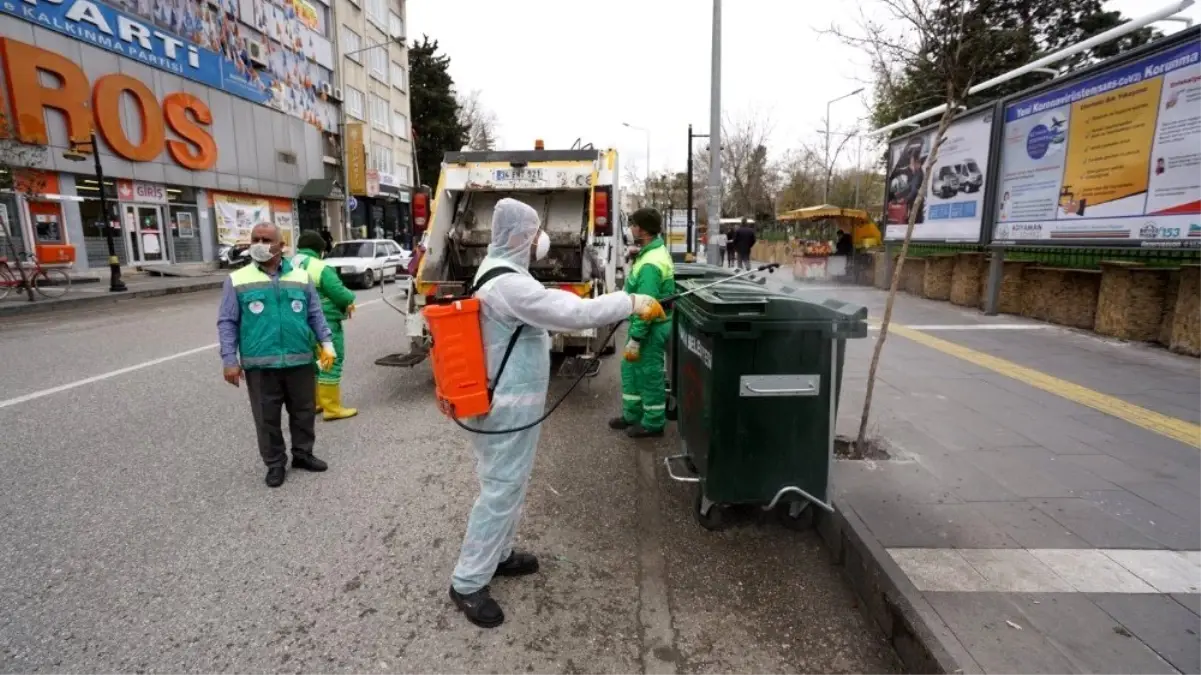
326	360
328	347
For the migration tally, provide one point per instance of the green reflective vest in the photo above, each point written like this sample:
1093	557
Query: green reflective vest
654	254
273	331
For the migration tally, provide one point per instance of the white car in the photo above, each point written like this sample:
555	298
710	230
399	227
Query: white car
363	262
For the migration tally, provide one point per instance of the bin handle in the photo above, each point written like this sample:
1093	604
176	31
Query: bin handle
683	479
802	390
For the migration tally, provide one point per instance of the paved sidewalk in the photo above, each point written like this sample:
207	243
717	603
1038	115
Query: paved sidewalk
90	295
1042	509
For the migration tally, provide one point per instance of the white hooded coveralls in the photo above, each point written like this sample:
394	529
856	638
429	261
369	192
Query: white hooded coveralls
504	461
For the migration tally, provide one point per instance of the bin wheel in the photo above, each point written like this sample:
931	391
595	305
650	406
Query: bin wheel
797	516
708	514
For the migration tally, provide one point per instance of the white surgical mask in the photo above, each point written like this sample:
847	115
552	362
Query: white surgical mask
542	247
261	252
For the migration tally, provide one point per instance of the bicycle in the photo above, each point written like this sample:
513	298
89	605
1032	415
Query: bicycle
49	282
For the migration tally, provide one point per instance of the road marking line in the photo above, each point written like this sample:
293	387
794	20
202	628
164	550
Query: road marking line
103	376
1164	425
1015	570
976	326
34	395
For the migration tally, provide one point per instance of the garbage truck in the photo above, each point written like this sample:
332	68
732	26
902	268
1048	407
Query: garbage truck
575	193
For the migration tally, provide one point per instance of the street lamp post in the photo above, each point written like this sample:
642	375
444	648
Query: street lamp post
647	187
715	134
830	169
77	153
691	248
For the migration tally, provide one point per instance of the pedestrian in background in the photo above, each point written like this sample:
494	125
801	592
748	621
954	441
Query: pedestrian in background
269	313
643	390
730	255
722	242
337	304
744	241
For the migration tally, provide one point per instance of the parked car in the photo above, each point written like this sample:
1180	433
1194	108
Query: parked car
945	183
971	179
363	262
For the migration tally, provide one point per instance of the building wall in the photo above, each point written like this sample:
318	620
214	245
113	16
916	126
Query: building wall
356	73
249	136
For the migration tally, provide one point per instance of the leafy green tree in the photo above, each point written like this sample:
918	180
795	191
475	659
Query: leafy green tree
437	124
998	36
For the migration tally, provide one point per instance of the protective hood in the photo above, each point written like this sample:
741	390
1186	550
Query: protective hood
514	229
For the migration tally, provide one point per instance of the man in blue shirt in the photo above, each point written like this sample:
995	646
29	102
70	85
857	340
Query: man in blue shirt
269	314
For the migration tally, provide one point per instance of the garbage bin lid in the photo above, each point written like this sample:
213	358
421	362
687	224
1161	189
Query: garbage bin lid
746	300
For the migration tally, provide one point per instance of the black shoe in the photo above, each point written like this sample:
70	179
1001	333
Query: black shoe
308	463
637	431
276	476
517	565
619	424
479	607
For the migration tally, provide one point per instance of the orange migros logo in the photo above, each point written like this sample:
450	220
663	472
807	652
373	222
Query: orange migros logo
83	104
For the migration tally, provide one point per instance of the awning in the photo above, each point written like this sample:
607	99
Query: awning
322	188
825	211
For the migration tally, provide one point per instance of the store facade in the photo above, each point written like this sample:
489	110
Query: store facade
190	160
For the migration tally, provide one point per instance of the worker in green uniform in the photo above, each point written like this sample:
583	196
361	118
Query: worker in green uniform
643	385
337	303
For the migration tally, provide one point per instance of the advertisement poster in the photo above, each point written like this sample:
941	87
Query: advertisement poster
1112	158
953	208
283	220
237	216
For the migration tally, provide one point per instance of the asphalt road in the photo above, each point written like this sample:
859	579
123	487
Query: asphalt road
138	535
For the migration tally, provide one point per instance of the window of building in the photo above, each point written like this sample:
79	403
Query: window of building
400	124
398	76
379	63
379	113
352	42
381	158
377	13
396	26
402	174
354	103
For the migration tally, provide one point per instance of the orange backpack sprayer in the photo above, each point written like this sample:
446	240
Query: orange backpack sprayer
460	363
457	354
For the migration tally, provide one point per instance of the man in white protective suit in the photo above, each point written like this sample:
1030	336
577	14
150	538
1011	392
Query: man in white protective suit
512	300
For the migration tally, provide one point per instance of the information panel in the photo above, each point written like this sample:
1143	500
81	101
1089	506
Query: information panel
954	205
1112	158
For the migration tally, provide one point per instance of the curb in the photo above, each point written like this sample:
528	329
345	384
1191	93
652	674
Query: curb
922	641
85	302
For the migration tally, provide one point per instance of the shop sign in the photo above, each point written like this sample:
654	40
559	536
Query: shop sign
137	191
388	179
305	13
373	182
85	107
356	159
102	26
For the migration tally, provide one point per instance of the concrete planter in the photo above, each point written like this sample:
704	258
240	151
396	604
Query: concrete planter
1186	319
966	279
940	272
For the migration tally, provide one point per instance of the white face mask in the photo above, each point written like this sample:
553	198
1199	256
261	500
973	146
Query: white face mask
261	252
542	247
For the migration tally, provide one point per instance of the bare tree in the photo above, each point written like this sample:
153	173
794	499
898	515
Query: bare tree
745	164
481	122
18	179
906	36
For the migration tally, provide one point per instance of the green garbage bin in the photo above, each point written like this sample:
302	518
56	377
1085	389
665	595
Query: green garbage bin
708	274
759	375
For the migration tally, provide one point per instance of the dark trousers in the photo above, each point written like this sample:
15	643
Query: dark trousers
272	388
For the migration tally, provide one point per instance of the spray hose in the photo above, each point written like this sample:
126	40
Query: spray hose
666	303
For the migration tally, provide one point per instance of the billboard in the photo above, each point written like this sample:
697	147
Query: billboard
1111	158
954	204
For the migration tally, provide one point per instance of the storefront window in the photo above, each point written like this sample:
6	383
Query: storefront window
9	225
185	234
312	214
93	233
181	195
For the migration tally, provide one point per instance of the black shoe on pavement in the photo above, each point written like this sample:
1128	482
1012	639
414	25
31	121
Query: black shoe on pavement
637	431
619	424
276	476
308	463
517	565
479	607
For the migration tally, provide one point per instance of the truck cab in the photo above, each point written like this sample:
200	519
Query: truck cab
573	192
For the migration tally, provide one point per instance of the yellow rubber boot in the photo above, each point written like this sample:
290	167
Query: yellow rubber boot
317	398
331	401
